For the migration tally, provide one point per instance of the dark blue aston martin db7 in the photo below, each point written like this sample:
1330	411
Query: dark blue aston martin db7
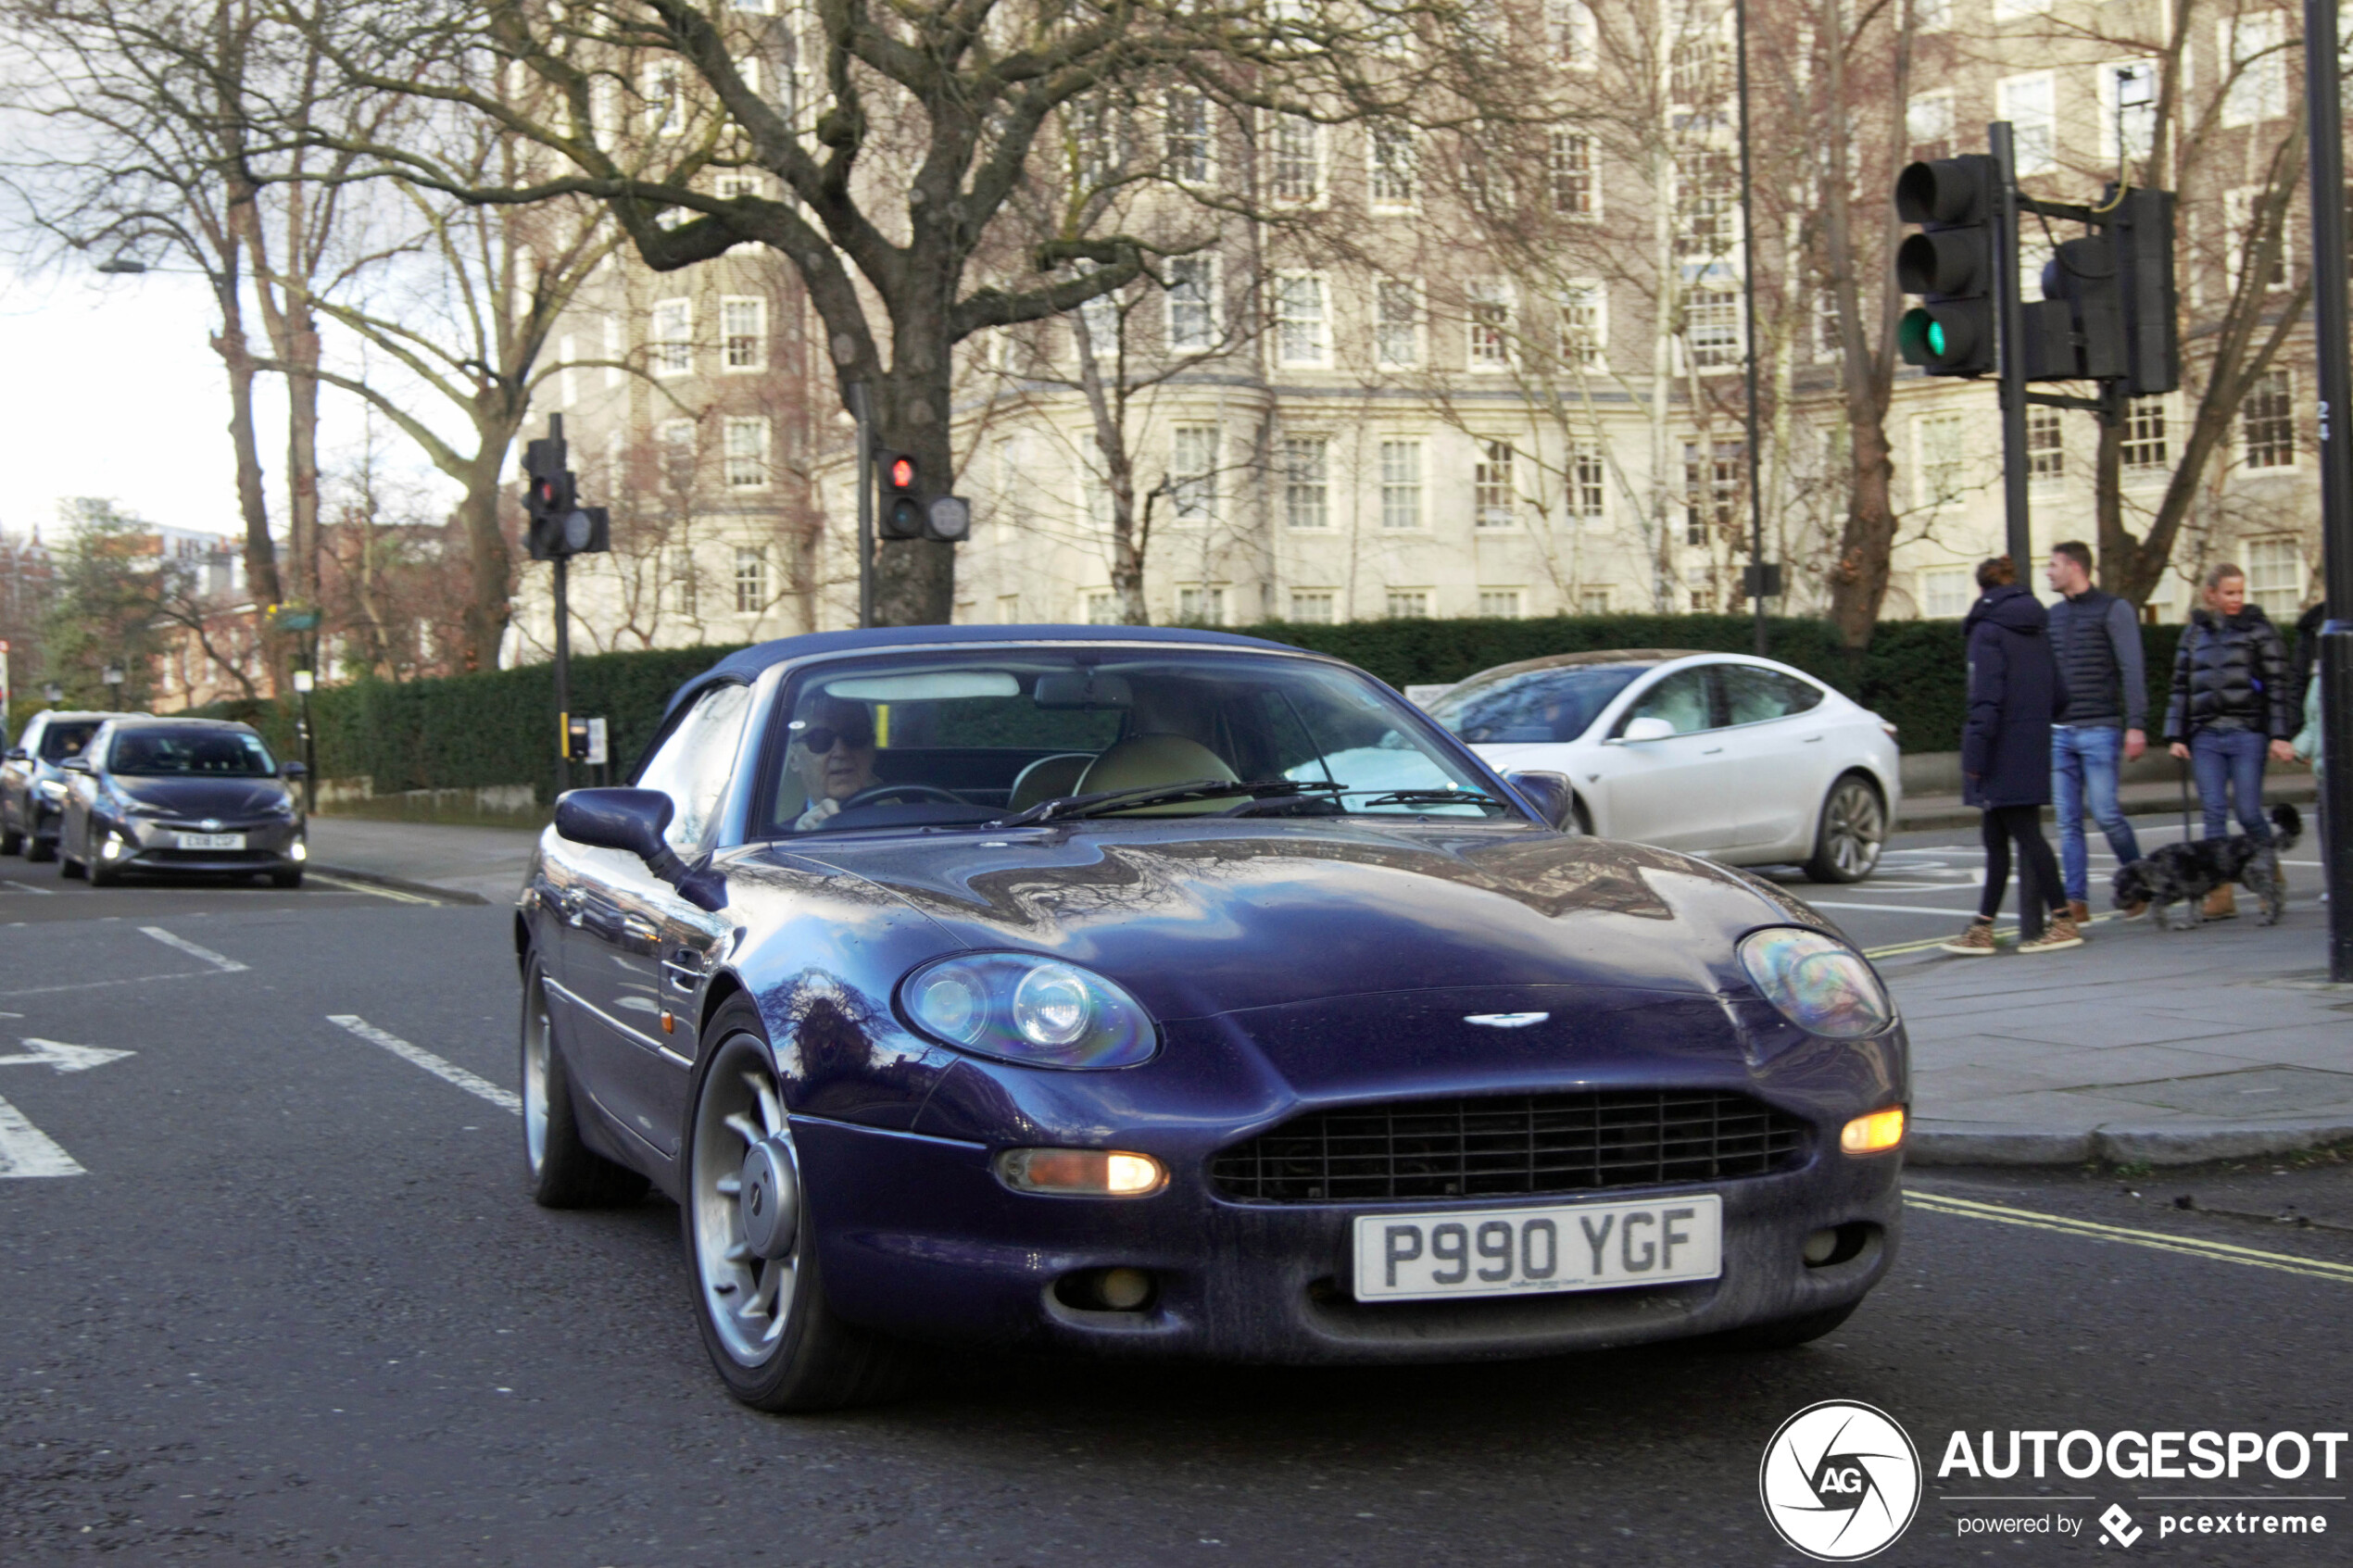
1156	992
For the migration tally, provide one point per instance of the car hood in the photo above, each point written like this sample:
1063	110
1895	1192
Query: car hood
226	798
1203	918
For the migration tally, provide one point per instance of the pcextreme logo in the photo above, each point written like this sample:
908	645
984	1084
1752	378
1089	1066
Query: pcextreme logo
1840	1481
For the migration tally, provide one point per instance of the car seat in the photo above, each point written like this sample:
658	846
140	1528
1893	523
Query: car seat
1048	778
1141	761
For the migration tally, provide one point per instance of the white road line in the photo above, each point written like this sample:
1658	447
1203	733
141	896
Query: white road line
102	984
26	1150
448	1072
27	887
396	895
2196	1247
1892	908
225	965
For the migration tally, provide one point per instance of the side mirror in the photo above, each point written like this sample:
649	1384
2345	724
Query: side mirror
616	819
1640	730
18	754
76	765
292	770
1552	795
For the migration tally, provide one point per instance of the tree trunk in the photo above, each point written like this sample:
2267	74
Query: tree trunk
2117	550
1858	578
302	449
261	554
490	566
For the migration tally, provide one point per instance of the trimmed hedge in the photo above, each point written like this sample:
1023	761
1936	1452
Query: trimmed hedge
497	728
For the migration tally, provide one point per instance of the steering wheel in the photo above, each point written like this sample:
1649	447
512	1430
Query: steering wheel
920	791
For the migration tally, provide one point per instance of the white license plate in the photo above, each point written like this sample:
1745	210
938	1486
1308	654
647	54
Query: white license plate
1520	1251
212	840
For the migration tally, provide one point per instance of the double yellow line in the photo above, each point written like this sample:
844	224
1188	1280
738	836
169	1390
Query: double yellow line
2092	1230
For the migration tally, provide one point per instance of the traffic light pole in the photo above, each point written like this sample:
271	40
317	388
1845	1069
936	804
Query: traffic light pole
563	673
2010	318
2323	100
863	411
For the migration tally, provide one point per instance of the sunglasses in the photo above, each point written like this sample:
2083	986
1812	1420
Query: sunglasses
820	738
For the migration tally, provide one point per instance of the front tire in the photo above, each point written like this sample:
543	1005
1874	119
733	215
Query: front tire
561	1170
1850	833
101	871
11	841
750	1263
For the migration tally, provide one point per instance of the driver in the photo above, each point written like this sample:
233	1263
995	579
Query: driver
832	756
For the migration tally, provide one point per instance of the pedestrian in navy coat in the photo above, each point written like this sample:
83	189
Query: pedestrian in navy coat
2015	694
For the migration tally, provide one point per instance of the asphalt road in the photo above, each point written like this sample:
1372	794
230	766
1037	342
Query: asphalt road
294	1308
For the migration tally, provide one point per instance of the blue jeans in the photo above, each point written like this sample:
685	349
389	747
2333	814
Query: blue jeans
2229	765
2083	763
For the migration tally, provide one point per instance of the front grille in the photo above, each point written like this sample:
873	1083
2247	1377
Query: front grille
1511	1146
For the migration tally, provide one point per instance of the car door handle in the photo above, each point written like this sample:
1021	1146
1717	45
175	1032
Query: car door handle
682	968
572	904
637	928
1713	751
1809	740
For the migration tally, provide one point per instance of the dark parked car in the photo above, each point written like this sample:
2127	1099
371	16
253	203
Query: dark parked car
180	795
32	787
1143	991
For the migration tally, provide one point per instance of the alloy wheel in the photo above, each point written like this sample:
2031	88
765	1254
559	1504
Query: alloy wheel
1854	827
744	1189
536	1033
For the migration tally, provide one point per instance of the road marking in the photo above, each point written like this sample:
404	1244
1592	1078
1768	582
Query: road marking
26	1150
395	894
2213	1251
64	1058
51	892
448	1072
101	985
225	965
1892	909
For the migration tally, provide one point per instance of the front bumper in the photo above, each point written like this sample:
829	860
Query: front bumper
918	1238
153	845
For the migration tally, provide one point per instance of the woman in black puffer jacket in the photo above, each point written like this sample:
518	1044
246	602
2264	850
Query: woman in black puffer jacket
2232	706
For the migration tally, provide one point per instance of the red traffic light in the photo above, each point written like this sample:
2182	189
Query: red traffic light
902	473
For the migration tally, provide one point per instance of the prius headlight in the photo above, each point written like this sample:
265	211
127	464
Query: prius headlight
1038	1011
1817	981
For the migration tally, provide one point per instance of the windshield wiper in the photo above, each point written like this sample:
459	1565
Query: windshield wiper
1063	806
1427	798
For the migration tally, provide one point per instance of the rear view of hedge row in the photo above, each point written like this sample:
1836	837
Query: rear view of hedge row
498	727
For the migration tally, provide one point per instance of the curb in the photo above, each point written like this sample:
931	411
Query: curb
1992	1142
399	884
1943	818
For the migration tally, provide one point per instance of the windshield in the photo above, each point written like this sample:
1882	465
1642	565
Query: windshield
969	739
61	741
1536	705
200	754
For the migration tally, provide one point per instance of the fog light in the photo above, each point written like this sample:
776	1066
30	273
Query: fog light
1106	1290
300	852
1875	1134
1819	1247
1081	1172
112	850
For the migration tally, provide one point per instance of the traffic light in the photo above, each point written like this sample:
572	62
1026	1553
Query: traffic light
901	512
2142	229
1950	263
559	524
2081	320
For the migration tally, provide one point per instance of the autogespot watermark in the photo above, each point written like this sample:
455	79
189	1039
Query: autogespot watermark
1840	1481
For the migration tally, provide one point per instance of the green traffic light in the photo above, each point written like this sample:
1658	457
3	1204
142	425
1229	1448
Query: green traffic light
1936	338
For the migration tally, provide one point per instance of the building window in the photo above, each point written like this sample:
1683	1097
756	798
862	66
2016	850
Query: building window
1708	204
751	579
1927	124
1313	606
1298	162
730	186
1409	604
568	355
1192	311
1712	328
1306	484
1302	334
1396	165
1593	601
1711	489
2257	73
1094	498
2275	577
682	582
1937	443
673	336
1192	471
1946	593
1931	16
1187	146
1695	69
1102	609
1009	610
1585	325
1575	37
1494	502
1568	175
747	454
678	456
1490	326
2267	422
2144	445
2028	103
1202	607
1588	481
1401	484
1397	324
1499	604
2046	446
743	326
665	105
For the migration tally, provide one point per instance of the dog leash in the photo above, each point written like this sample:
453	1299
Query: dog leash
2183	768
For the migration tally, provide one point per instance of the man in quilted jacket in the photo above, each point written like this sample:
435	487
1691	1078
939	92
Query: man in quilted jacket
2233	707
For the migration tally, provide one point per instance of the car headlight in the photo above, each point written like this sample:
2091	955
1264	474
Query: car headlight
1020	1007
51	789
1816	982
282	806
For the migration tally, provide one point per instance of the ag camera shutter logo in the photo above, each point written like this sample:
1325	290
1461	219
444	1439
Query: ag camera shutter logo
1840	1481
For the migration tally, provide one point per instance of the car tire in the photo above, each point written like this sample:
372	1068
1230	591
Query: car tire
1786	1334
101	872
560	1168
39	849
1849	831
285	879
796	1354
11	841
68	867
1580	817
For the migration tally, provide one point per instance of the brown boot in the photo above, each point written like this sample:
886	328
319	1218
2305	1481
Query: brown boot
2061	934
1977	942
2220	904
2078	912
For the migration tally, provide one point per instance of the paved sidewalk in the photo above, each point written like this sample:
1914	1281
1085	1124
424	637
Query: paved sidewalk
1921	812
484	864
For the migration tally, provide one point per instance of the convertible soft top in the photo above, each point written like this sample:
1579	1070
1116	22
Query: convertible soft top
745	664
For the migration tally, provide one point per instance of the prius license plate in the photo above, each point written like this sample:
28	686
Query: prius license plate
1518	1251
212	840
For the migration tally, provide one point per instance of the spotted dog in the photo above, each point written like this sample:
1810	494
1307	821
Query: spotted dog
2185	874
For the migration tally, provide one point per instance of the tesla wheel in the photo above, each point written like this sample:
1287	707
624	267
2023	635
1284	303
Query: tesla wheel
564	1172
1788	1334
750	1263
1850	833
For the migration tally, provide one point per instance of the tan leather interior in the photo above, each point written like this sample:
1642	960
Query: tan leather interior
1047	778
1140	761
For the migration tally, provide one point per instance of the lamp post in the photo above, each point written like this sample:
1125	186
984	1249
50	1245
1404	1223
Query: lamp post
54	693
2325	128
1760	580
303	681
112	675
